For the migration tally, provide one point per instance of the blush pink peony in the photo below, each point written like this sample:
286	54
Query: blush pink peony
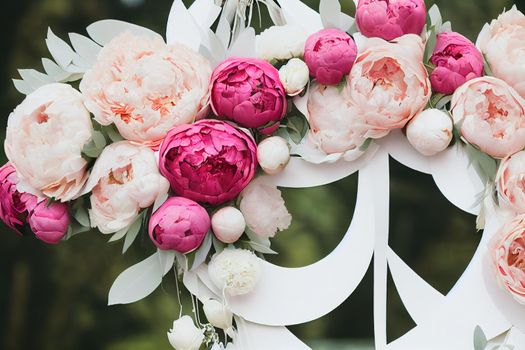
49	222
45	137
510	183
508	256
390	19
249	92
457	60
209	161
490	115
502	42
146	87
124	180
389	84
179	224
330	55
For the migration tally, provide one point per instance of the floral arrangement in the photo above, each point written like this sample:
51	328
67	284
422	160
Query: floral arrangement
177	140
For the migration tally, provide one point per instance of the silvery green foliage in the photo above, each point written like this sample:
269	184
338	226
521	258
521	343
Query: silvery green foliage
481	342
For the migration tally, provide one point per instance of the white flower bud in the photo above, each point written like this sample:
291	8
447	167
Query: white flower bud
430	132
184	335
217	314
295	76
228	224
273	154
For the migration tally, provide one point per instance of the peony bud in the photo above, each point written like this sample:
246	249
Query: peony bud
294	75
217	314
273	154
228	224
184	335
49	223
430	132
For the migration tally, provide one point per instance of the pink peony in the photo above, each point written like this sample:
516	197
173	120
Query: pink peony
14	206
248	91
457	60
490	115
146	87
179	224
49	223
510	181
209	161
508	256
330	55
390	19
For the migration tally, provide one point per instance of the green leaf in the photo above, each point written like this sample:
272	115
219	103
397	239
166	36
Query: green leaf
202	253
82	216
431	44
435	16
485	165
112	133
132	234
218	245
118	235
260	247
486	66
480	340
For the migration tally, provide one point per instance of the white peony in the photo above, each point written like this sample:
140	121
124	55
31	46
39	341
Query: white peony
264	209
228	224
273	154
430	132
294	75
217	314
124	180
184	335
281	42
45	137
235	271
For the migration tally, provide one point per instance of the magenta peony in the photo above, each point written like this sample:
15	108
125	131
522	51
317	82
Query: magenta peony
387	19
330	55
209	161
457	60
49	222
179	224
14	206
248	91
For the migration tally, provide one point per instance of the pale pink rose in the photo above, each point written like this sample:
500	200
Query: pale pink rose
503	43
508	256
146	87
263	208
45	137
124	180
510	183
49	222
389	83
336	126
490	115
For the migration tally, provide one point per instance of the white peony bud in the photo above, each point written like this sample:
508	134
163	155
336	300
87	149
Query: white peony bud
273	154
294	75
228	224
235	271
217	314
184	335
281	42
430	132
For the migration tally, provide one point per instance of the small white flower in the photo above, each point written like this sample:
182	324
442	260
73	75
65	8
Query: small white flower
281	42
236	271
273	154
217	314
184	335
228	224
264	209
430	132
294	75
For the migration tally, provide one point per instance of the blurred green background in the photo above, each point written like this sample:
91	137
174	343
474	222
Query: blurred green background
55	297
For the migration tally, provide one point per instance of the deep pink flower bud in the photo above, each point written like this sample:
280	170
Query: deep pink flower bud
49	222
179	224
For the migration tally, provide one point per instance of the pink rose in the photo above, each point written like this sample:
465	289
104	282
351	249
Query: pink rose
49	223
389	83
209	161
14	206
508	256
146	87
390	19
490	115
179	224
330	55
248	91
457	60
509	181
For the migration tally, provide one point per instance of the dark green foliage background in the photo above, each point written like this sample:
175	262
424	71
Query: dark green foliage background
54	298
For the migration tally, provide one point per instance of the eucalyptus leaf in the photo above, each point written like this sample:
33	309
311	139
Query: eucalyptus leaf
435	16
261	248
202	253
133	231
118	235
82	216
486	66
218	245
480	340
112	133
431	43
